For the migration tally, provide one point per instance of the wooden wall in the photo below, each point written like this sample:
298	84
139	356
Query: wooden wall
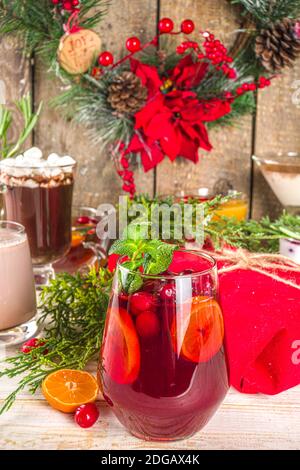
276	127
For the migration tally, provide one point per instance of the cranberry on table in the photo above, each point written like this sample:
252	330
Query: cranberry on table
86	415
141	302
31	344
147	324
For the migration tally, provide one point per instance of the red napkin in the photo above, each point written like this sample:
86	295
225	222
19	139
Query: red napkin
262	326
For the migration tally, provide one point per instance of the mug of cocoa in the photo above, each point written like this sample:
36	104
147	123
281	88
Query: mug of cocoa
38	194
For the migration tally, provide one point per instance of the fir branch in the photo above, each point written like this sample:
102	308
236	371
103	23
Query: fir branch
73	311
265	12
256	236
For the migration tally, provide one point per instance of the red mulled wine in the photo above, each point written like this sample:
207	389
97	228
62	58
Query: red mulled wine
163	368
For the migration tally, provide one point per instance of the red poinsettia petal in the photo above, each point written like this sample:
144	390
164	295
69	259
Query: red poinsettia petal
148	75
149	150
203	140
187	73
150	159
214	109
189	149
151	109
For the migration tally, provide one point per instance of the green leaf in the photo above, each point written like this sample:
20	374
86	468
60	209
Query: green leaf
137	230
162	260
123	248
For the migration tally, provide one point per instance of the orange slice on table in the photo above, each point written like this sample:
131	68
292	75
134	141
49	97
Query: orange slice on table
66	389
203	336
121	348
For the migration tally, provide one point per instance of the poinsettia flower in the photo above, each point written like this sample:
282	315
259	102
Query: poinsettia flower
175	120
172	122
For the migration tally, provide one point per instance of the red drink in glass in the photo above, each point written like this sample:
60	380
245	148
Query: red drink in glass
163	368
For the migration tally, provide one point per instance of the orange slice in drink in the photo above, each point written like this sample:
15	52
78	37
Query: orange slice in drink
77	238
121	348
204	334
66	389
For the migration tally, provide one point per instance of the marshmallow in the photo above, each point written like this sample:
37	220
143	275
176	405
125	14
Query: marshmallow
33	153
53	159
66	160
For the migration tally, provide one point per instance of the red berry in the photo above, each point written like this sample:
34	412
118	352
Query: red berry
187	26
240	91
252	87
82	220
97	72
75	3
126	188
268	82
141	302
124	162
31	344
133	44
86	415
147	324
245	86
231	73
167	292
106	59
67	5
166	25
55	2
228	95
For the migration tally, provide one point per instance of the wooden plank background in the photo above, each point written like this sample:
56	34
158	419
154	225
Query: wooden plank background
229	163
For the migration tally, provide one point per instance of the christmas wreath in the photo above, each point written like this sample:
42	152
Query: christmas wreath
157	100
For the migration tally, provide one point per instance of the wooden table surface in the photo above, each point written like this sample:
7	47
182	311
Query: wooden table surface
242	422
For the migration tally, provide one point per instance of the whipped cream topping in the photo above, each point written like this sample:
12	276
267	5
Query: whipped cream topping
32	170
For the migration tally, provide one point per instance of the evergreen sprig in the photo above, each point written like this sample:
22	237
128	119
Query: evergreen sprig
265	12
24	107
73	310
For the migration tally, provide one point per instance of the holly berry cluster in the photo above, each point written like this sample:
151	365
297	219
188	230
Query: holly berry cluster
69	6
124	172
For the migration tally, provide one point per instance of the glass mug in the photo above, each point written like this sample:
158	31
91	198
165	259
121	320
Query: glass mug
17	291
41	200
162	367
236	207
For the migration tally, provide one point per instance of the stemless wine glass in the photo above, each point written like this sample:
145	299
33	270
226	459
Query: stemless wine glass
162	367
40	198
17	293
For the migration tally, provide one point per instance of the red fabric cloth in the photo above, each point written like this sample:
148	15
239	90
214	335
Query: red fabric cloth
262	327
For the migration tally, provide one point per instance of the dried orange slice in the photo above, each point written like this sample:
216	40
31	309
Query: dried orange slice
66	389
203	335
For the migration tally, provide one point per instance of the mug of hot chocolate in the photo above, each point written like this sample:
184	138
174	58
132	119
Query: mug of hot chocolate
38	194
17	293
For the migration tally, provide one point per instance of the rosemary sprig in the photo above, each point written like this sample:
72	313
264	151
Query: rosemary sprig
73	312
24	106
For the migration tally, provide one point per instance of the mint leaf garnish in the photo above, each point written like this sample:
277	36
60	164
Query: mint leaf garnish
153	256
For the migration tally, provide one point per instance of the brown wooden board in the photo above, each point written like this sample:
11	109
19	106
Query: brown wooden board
277	130
229	162
97	180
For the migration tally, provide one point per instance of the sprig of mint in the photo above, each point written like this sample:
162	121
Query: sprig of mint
153	256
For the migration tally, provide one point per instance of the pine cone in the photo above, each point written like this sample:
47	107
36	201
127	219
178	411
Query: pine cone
277	46
126	94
